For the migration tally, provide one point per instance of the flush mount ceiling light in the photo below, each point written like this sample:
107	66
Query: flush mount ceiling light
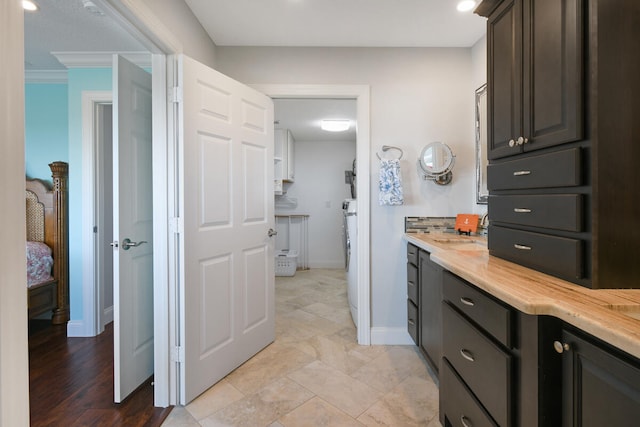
335	125
29	5
466	5
92	8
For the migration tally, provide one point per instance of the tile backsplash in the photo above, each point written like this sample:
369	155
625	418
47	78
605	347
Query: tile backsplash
427	224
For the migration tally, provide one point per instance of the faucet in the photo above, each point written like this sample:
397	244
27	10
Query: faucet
484	220
484	223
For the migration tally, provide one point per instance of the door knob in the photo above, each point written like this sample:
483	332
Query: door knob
127	243
271	232
561	347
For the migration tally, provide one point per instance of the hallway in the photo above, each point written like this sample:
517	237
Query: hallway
315	374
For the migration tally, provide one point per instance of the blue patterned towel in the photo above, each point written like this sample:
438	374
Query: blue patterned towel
390	183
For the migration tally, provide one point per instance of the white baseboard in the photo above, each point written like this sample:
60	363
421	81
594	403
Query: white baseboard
390	336
75	328
107	315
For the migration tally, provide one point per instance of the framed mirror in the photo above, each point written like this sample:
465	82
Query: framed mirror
482	193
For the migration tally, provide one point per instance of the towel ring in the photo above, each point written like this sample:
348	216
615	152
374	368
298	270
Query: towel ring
390	147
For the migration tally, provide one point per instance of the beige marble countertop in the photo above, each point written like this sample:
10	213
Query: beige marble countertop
612	315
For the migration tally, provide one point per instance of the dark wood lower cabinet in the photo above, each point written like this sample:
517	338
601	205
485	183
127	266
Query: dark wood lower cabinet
600	387
430	310
460	408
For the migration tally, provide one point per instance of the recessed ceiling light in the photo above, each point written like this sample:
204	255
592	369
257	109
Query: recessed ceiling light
29	5
335	125
466	5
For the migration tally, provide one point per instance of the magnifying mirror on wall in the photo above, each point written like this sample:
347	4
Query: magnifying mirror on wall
436	162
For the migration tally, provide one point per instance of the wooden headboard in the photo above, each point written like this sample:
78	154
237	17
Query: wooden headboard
48	222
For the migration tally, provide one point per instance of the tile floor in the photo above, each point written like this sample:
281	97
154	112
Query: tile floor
315	374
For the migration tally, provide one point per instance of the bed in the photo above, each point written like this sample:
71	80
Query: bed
47	245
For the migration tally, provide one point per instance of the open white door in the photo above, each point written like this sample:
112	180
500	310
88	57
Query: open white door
226	285
132	228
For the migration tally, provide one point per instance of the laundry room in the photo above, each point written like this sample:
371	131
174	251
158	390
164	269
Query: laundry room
315	172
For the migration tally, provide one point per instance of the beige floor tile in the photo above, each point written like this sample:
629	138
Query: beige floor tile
217	397
315	373
339	315
392	367
274	362
318	413
262	408
414	402
180	417
337	388
335	352
302	325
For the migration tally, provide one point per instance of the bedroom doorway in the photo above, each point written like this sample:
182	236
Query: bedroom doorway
103	119
97	182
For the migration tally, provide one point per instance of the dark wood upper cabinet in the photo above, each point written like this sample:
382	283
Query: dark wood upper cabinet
535	75
562	78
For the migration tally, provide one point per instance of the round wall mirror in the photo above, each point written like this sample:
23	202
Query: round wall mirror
435	163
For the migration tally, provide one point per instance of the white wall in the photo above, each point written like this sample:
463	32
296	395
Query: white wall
320	190
179	23
14	362
478	78
418	95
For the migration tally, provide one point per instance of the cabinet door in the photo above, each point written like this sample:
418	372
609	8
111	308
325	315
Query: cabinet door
552	72
599	388
431	310
504	49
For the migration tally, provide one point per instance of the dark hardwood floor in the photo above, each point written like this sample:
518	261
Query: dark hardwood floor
71	382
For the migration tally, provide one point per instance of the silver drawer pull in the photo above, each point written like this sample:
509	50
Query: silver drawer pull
467	355
467	301
465	421
522	247
521	210
411	322
521	173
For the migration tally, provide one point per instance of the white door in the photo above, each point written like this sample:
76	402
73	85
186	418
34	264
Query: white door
132	228
226	202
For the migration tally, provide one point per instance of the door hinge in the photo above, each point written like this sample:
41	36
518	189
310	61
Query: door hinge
176	225
177	355
175	94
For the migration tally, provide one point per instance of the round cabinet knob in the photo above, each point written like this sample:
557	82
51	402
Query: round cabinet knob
561	347
511	143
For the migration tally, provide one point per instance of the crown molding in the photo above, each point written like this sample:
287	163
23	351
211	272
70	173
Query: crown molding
45	76
100	59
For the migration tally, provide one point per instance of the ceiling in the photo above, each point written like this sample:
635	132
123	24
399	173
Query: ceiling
303	118
76	26
348	23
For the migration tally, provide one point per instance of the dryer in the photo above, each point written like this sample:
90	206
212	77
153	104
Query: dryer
350	240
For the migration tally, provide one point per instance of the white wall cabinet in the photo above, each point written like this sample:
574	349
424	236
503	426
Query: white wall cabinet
283	158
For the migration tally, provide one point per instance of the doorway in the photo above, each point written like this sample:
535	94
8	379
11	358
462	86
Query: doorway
363	151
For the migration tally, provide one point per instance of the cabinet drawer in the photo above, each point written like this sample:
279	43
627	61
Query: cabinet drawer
555	255
457	404
412	283
492	316
485	368
559	169
412	321
553	211
412	254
